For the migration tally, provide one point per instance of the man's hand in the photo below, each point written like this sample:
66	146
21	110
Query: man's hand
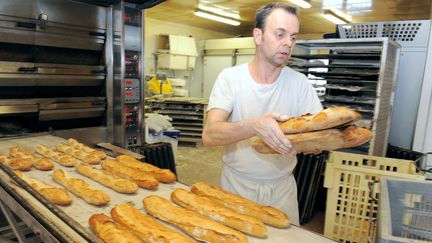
267	128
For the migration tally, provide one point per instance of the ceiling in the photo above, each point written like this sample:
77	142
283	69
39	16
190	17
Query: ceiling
311	20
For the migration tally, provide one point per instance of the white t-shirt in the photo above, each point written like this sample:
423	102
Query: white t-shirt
235	91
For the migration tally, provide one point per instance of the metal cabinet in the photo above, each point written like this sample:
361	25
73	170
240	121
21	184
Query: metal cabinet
357	73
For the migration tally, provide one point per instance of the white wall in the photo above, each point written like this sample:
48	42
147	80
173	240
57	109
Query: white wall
154	27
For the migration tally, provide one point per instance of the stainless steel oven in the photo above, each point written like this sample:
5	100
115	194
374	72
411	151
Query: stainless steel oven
72	68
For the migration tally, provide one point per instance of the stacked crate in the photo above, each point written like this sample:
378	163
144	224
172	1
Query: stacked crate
352	181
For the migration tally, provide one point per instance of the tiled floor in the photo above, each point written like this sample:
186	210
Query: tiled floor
198	163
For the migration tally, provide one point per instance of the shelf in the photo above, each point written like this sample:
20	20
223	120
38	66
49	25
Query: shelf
355	73
188	115
372	56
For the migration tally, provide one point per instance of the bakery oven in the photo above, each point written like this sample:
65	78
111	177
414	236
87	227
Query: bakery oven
71	68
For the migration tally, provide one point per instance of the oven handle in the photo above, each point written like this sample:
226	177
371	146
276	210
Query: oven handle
26	25
97	71
27	69
94	33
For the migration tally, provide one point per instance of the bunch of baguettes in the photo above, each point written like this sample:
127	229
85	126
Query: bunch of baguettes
327	130
206	213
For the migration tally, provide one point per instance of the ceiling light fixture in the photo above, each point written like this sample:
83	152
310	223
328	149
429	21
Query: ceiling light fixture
341	14
220	11
334	18
301	3
216	18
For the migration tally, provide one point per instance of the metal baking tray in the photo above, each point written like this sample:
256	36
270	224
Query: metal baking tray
79	212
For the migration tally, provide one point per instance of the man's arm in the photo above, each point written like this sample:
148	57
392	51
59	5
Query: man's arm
218	131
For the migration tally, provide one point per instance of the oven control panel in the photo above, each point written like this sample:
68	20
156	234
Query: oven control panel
132	122
132	64
132	90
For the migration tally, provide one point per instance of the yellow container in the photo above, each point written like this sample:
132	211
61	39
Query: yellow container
352	182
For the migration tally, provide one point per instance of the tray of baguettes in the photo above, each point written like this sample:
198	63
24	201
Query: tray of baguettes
121	199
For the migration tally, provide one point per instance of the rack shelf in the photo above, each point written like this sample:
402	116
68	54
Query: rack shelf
357	73
188	115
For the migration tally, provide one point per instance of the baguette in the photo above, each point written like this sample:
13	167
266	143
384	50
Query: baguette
194	224
39	162
330	139
16	163
59	157
328	118
356	136
162	175
55	195
98	153
218	212
267	214
107	179
81	188
146	227
79	154
109	231
142	179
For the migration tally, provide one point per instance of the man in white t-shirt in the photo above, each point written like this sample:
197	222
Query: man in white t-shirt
248	100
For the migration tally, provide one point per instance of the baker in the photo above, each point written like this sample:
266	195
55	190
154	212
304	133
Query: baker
249	100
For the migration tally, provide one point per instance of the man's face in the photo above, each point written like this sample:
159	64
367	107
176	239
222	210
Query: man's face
278	38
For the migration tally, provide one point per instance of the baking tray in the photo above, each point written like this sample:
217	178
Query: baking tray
79	211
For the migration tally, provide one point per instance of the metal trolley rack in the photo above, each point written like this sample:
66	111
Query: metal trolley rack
358	73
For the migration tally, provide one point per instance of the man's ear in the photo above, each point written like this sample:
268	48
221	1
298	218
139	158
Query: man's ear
257	35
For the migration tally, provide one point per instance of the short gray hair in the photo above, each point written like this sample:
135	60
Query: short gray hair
264	11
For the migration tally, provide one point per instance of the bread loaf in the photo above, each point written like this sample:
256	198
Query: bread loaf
79	154
39	162
16	163
146	227
109	231
266	214
194	224
55	195
107	179
98	153
207	207
356	136
162	175
81	188
142	179
330	139
59	157
328	118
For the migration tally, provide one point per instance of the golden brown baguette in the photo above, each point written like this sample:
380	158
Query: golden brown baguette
267	214
109	231
107	179
328	140
53	194
39	162
16	163
218	212
142	179
146	227
194	224
328	118
81	188
59	157
356	136
162	175
98	153
79	154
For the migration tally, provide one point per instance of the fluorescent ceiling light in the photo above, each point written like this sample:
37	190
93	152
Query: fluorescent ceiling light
219	11
341	14
301	3
216	18
334	18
